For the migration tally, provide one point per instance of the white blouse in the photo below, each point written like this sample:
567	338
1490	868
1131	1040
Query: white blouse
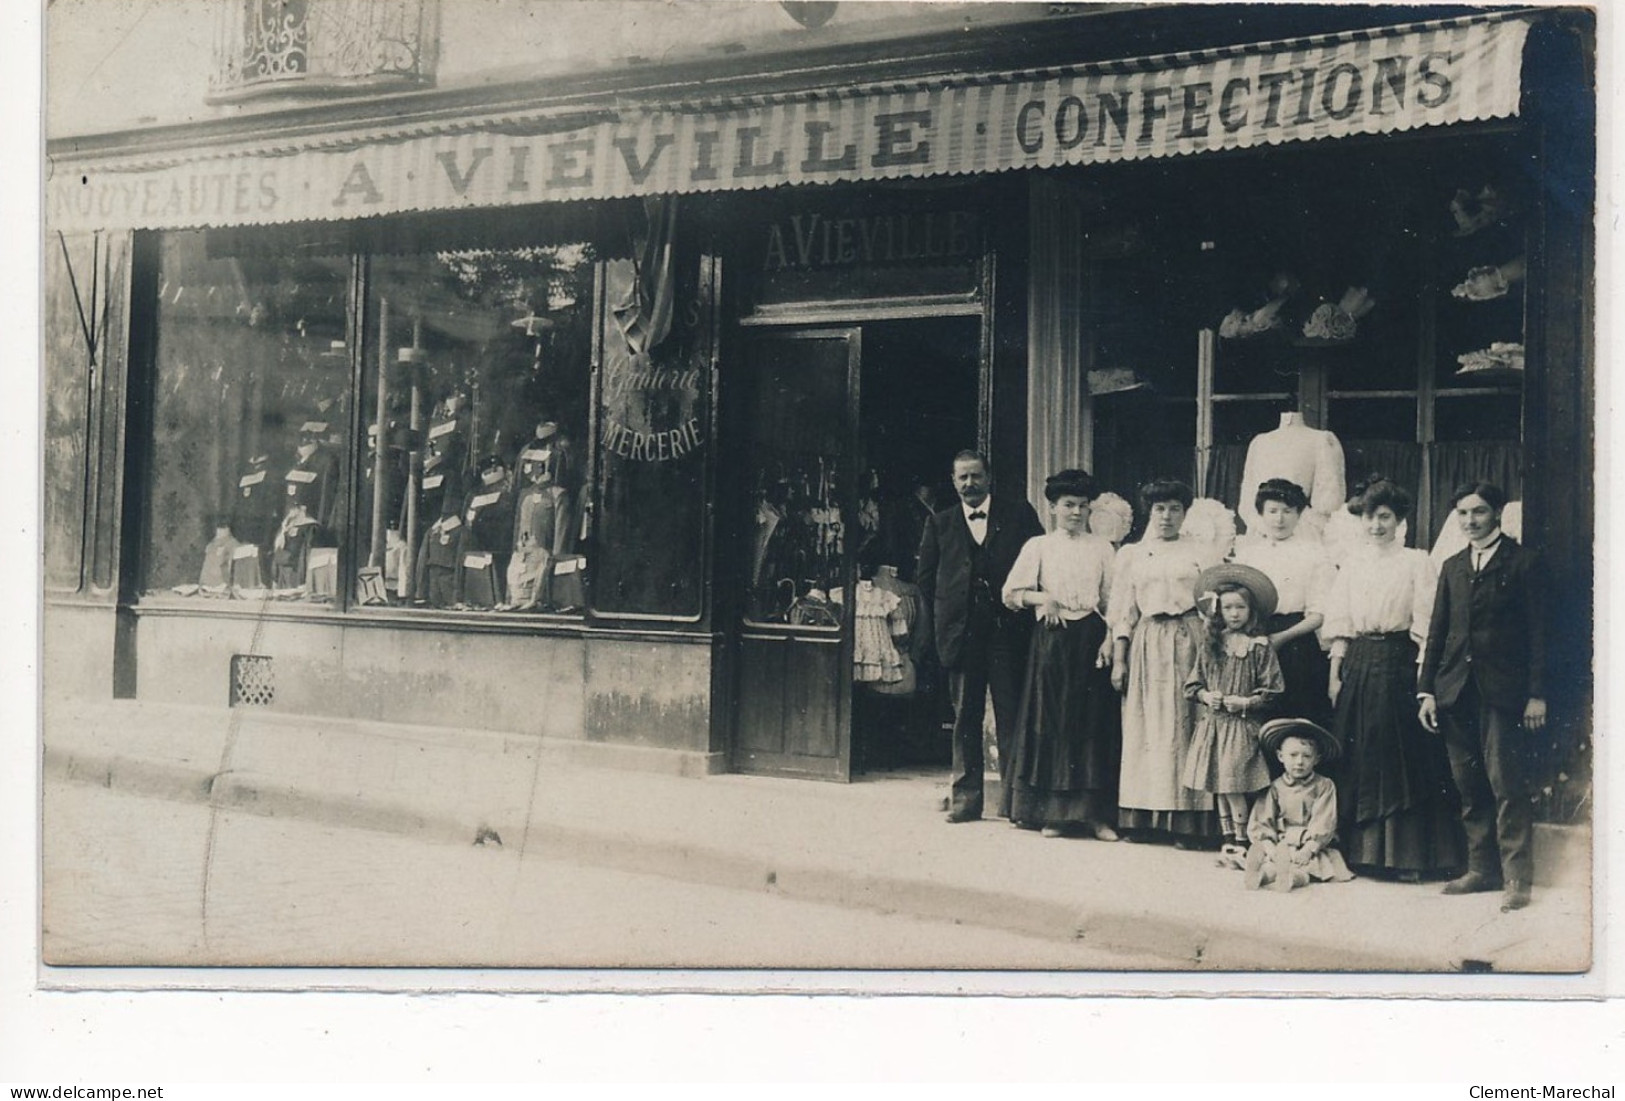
1381	588
1300	569
1076	570
1156	577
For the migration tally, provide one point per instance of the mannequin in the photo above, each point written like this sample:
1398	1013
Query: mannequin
291	548
254	511
448	434
487	545
215	575
440	557
312	480
566	473
1310	457
541	529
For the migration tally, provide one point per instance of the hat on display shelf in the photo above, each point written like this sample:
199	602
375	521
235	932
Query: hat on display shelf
1111	516
1337	322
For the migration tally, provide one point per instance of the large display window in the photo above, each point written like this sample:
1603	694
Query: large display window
474	397
435	419
1391	316
396	433
249	408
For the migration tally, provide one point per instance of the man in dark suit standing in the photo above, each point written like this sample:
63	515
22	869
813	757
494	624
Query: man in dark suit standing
966	553
1483	675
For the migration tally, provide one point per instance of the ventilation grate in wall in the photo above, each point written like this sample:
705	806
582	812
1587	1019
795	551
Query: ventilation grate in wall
253	680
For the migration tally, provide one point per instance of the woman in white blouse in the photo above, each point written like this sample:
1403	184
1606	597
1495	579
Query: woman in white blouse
1302	574
1063	774
1155	632
1398	812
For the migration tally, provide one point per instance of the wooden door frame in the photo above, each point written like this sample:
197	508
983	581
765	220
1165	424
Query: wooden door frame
734	626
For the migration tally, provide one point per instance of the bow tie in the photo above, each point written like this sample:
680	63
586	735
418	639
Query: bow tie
977	515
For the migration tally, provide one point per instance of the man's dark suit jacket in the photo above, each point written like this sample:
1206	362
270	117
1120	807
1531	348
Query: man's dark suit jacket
1491	629
944	574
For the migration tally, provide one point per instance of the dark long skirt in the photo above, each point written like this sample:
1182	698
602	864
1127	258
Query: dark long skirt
1307	672
1397	806
1068	742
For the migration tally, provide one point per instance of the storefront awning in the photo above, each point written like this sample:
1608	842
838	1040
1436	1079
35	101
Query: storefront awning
1368	82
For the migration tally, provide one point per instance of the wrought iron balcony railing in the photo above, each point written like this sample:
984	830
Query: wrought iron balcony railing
279	47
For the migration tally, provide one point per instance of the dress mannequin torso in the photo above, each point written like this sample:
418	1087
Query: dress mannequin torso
1310	457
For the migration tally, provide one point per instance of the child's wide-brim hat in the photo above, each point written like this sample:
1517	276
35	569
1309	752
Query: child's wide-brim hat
1276	731
1260	587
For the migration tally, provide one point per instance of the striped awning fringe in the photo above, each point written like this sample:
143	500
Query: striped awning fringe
1366	82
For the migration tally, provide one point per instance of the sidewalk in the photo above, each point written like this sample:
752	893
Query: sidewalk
879	844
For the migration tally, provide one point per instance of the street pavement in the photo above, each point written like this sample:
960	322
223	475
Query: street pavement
873	848
134	880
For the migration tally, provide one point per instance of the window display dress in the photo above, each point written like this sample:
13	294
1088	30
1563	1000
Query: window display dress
440	558
1153	605
1064	755
1302	575
1397	806
1309	457
540	519
487	545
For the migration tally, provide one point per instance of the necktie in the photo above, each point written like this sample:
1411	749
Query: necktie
978	515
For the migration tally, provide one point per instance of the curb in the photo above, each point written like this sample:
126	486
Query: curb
1186	944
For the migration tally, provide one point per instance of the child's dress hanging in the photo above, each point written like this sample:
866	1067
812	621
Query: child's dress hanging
879	620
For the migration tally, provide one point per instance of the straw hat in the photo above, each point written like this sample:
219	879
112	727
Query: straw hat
1260	587
1276	731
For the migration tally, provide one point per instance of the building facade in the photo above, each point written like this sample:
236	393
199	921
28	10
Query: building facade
561	368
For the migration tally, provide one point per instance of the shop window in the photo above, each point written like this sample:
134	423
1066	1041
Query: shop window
654	430
474	397
250	419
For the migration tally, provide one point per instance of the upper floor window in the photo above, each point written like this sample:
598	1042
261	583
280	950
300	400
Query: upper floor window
265	47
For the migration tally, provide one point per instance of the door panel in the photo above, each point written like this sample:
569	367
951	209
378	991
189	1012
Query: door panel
760	712
798	415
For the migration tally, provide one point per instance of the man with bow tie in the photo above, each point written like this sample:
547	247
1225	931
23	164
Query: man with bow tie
966	552
1482	680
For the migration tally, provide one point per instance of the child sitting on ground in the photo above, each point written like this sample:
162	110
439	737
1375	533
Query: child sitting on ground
1294	823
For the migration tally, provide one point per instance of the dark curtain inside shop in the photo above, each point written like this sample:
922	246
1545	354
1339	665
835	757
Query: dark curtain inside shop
1224	466
1398	461
1395	459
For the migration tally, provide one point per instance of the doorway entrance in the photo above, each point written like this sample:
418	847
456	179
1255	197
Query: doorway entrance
849	432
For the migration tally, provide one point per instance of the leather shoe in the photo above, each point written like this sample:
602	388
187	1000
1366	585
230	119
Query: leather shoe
1515	898
1471	883
964	816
